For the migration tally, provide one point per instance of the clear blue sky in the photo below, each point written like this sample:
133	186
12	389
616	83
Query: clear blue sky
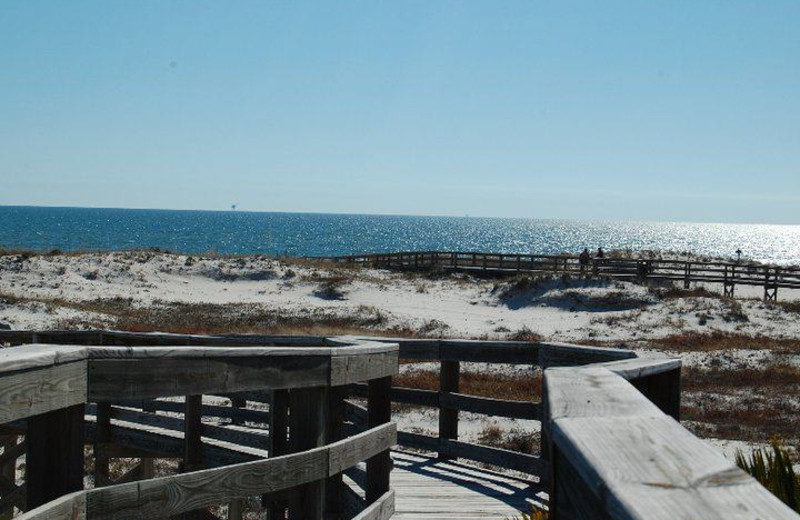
635	110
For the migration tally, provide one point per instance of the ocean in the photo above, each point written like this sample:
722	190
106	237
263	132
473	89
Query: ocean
310	234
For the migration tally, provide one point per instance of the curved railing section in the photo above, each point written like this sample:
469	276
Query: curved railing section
61	396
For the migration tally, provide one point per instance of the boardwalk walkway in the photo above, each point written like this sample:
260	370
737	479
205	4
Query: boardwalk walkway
427	488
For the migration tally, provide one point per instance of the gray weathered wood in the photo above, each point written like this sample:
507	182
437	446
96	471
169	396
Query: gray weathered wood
379	410
308	420
54	460
40	390
448	417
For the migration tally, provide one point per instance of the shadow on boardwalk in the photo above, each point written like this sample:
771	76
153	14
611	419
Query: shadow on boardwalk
430	488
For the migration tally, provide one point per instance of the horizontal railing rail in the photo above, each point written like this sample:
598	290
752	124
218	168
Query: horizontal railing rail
729	274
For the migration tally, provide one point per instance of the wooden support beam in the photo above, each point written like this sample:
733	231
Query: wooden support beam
192	428
238	402
102	438
334	492
308	421
54	461
8	469
448	417
379	411
278	445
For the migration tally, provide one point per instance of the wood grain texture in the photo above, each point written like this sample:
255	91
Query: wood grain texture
653	468
566	355
347	369
489	406
111	379
381	509
68	507
54	459
40	390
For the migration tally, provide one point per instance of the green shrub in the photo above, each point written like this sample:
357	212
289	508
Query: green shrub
772	467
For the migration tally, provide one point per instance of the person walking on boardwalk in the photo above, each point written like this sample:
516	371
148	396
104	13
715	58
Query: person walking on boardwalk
583	259
598	259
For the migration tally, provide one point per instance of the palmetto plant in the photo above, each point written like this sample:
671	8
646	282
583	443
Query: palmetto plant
772	467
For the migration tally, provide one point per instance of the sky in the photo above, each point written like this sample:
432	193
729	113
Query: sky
679	111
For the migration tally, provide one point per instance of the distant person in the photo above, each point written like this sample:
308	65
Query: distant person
583	259
598	259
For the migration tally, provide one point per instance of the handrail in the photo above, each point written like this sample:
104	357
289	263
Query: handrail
48	388
612	445
730	274
449	401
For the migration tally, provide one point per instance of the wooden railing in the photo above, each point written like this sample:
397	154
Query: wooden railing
729	274
449	399
61	396
612	446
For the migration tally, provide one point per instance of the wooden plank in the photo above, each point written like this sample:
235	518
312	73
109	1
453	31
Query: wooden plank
418	440
226	412
192	443
36	356
402	395
308	419
41	390
507	459
379	410
54	460
112	379
190	491
653	468
352	450
176	494
489	406
72	506
354	367
512	352
564	354
448	416
381	509
101	439
592	392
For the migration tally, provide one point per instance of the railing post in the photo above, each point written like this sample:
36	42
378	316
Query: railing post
448	417
308	420
192	444
663	390
8	471
102	437
238	402
334	491
54	461
687	275
278	445
379	411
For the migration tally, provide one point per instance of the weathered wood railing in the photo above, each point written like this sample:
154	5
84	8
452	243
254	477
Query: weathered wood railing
729	274
61	396
611	443
612	446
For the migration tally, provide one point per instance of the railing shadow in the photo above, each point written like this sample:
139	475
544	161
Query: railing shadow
516	492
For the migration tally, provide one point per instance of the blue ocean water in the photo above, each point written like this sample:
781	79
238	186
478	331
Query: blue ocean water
306	234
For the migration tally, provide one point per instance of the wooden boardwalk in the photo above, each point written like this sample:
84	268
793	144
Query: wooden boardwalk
426	488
